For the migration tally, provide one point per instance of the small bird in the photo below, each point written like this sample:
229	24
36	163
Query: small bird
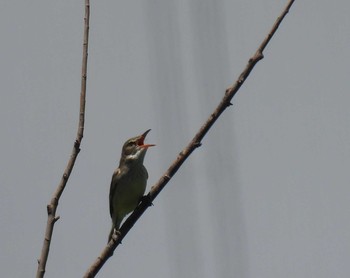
128	181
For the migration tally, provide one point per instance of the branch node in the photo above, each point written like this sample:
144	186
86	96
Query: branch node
49	209
56	218
77	145
197	144
240	80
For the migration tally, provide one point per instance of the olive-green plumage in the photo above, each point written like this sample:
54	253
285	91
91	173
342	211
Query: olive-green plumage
128	181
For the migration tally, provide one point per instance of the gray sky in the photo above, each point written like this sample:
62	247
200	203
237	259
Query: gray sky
267	195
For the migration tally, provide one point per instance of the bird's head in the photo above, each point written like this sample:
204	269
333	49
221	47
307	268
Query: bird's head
134	149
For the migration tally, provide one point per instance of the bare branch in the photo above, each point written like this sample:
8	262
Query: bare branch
52	206
185	153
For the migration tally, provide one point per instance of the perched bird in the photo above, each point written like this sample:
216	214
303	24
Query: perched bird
128	181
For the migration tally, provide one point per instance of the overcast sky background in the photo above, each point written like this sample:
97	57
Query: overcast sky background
267	195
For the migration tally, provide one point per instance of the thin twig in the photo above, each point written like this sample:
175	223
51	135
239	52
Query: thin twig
185	153
52	206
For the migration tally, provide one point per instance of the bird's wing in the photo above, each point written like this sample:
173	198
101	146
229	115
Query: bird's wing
112	189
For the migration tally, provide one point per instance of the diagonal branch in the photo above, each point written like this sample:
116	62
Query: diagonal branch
52	206
186	152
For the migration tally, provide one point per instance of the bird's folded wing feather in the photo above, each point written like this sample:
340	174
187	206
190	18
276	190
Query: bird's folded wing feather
112	189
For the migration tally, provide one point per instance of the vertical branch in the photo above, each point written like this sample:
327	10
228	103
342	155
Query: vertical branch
107	252
52	206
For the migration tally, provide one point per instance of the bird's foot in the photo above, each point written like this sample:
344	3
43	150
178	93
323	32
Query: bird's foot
116	235
147	200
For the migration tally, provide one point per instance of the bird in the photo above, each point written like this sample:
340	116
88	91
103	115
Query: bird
128	181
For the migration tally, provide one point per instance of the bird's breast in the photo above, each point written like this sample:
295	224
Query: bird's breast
130	189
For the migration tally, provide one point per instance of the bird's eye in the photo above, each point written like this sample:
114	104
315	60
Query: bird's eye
131	144
128	147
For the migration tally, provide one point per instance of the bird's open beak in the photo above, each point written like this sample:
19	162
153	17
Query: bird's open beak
141	143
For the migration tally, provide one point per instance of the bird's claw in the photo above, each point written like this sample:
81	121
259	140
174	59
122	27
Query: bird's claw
147	200
116	235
